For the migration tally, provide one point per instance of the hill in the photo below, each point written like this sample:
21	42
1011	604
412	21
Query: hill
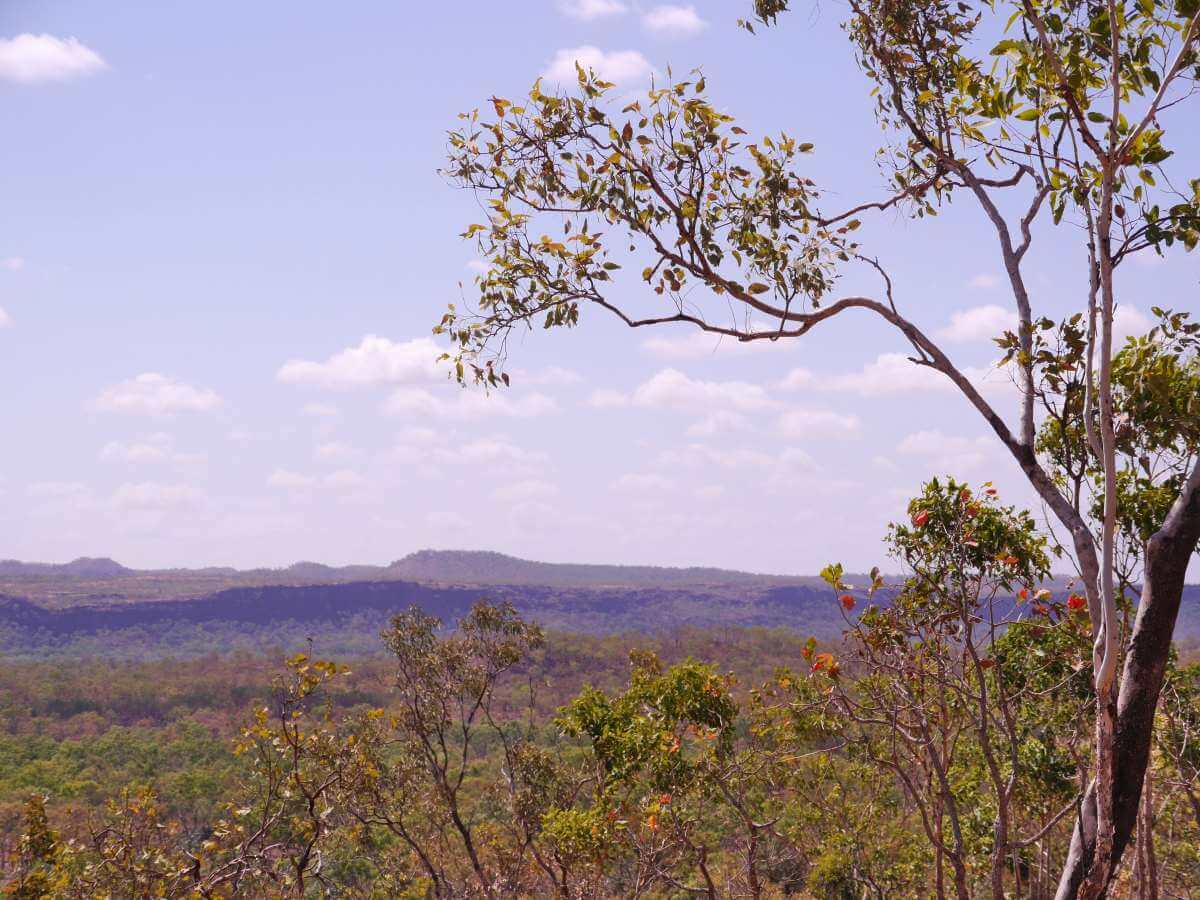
100	608
86	582
485	567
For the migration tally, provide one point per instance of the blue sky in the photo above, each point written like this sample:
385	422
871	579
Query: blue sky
225	241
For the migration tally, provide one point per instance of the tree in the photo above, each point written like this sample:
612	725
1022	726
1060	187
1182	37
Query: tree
946	690
1066	113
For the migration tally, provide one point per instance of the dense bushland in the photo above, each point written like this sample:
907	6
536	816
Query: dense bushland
941	747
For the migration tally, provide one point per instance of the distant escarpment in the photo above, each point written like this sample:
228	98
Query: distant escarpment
347	617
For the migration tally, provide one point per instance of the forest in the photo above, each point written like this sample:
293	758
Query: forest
940	746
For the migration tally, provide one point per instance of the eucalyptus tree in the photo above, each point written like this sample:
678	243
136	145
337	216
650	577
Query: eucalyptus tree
949	694
1058	109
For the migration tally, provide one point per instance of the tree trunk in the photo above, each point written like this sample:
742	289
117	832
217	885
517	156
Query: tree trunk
1167	555
1147	863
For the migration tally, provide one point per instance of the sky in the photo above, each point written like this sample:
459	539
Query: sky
225	241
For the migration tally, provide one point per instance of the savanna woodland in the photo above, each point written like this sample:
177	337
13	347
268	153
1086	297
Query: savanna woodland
981	727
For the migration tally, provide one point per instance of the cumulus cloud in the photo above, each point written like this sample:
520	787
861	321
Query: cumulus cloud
894	373
587	10
1128	321
984	281
375	362
672	389
524	491
57	490
798	379
889	373
701	456
30	58
288	480
319	410
719	422
469	404
336	451
980	323
150	449
156	495
676	20
618	66
345	480
551	376
154	394
12	263
641	483
488	450
607	398
950	453
446	519
802	424
698	345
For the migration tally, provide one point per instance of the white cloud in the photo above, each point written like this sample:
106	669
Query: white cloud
718	423
641	483
606	398
488	450
57	490
701	456
985	281
375	362
416	434
672	389
798	379
1129	321
153	394
949	453
618	66
447	520
12	263
289	480
889	373
587	10
150	449
698	345
802	424
552	376
5	319
674	19
29	58
895	373
345	480
319	410
469	404
155	495
980	323
524	491
336	451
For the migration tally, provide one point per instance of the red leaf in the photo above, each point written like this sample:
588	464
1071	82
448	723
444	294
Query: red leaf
921	518
1076	603
847	601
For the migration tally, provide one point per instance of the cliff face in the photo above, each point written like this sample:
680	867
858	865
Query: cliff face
591	610
355	612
